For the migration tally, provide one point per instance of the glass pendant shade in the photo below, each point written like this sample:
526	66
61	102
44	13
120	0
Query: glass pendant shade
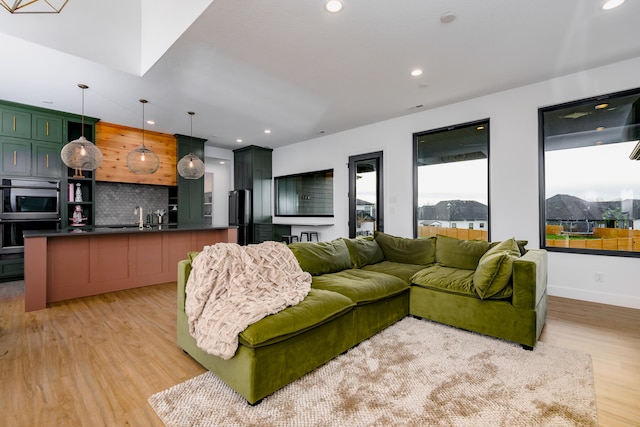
190	166
142	160
81	153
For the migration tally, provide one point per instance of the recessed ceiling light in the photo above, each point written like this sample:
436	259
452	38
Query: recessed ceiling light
417	72
611	4
47	101
267	131
448	17
222	162
238	140
333	6
151	122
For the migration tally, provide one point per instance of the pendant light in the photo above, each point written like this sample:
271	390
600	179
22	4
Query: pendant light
81	153
190	166
142	160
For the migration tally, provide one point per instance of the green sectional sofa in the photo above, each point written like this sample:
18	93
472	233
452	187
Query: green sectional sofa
361	286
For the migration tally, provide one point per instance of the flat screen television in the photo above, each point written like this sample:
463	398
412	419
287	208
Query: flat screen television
304	194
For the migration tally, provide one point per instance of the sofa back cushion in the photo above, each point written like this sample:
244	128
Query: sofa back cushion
457	253
364	252
495	268
407	251
322	257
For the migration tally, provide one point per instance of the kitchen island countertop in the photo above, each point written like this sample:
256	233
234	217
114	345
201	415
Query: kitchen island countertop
119	229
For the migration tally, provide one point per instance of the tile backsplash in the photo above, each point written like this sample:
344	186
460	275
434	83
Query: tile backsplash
116	202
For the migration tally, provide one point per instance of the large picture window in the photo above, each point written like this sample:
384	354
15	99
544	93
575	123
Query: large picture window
451	189
590	181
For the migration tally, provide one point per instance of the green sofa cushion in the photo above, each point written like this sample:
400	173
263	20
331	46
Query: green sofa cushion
448	279
319	306
398	269
409	251
364	252
457	253
323	257
493	273
361	286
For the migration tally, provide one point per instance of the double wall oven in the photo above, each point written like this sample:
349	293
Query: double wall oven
27	204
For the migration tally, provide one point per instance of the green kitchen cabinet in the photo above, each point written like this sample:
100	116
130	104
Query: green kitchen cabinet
253	171
16	157
46	161
47	127
190	191
15	123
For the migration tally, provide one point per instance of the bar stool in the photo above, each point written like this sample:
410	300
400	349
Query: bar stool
288	238
309	235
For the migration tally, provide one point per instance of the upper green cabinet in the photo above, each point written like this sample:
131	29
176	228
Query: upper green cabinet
16	123
46	128
46	161
190	191
16	157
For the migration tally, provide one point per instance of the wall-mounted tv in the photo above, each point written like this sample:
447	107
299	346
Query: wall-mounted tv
304	194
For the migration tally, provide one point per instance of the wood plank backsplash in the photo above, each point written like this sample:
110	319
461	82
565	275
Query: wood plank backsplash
117	141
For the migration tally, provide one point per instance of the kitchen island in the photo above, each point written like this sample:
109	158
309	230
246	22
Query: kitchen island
66	264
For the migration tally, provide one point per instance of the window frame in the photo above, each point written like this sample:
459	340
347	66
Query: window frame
595	100
485	122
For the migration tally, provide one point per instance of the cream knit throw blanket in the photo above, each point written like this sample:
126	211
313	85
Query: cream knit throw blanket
232	286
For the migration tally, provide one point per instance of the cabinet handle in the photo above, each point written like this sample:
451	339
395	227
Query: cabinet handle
14	123
47	161
15	154
47	128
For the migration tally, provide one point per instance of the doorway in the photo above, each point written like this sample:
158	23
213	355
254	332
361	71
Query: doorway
366	201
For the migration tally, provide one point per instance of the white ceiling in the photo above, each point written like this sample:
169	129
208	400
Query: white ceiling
289	66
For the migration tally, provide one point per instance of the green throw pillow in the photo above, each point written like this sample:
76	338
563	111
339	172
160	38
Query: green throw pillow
457	253
493	273
495	267
521	246
364	252
407	251
192	255
322	257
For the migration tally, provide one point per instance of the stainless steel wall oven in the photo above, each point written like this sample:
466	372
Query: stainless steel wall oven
27	204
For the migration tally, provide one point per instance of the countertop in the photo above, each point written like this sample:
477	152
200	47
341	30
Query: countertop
119	229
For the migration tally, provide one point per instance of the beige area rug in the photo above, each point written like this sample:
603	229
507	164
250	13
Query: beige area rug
414	373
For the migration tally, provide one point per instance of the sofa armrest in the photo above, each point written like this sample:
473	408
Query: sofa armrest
184	268
529	278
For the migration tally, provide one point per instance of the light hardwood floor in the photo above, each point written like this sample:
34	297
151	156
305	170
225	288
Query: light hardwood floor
95	361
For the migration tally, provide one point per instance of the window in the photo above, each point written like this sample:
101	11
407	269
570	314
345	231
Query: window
590	185
451	181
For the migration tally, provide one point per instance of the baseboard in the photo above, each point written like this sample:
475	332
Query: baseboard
591	296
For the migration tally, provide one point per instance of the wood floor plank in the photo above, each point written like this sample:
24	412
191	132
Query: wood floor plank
95	361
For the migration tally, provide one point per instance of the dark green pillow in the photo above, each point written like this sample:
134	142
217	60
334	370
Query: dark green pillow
322	257
457	253
521	246
364	252
495	267
493	273
407	251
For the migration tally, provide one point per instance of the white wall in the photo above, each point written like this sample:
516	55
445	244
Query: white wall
222	182
513	173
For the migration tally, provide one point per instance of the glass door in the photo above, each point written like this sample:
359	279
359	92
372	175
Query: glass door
366	212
